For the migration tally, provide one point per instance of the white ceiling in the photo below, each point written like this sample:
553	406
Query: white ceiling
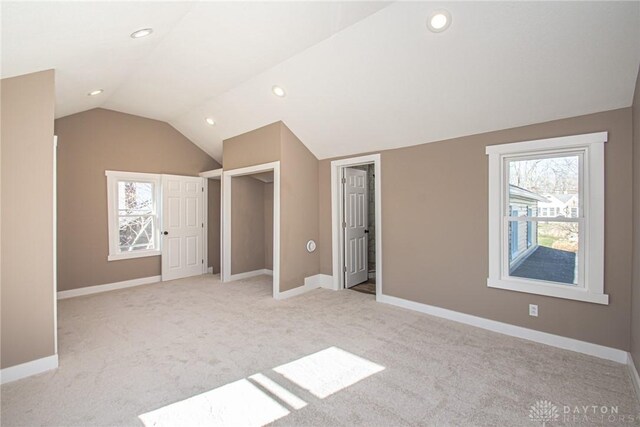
359	76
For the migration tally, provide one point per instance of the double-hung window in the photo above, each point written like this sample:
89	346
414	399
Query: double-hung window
560	254
133	211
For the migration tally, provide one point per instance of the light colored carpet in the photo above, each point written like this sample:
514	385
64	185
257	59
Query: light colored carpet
131	352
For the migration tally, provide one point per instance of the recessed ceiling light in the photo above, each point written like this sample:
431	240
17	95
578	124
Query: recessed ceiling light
210	121
95	92
278	91
141	33
439	20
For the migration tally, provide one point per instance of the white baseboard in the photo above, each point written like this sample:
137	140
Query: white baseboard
108	287
249	274
295	291
27	369
319	281
310	283
635	378
584	347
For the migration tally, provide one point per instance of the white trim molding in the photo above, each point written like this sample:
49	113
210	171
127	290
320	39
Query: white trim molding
24	370
337	238
55	242
295	291
88	290
212	174
319	281
558	341
635	378
227	176
248	274
590	149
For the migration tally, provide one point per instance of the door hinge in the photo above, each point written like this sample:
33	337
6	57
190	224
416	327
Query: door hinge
344	180
203	261
344	225
345	268
203	189
203	225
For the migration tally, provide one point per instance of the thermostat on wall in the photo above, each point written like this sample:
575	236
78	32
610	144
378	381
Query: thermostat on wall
311	246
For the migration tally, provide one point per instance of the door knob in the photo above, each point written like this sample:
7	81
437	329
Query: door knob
366	231
165	232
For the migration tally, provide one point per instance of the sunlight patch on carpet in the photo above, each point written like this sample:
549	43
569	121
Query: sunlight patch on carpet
328	371
280	392
236	404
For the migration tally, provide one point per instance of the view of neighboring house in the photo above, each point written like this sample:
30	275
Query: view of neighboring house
523	238
559	205
541	251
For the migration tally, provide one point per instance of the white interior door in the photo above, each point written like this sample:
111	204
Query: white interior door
355	226
182	226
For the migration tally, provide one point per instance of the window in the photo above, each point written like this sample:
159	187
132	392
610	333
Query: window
560	254
133	214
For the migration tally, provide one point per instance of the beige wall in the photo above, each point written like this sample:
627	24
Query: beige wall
88	144
259	146
27	282
298	212
213	224
251	233
268	225
298	194
434	216
635	309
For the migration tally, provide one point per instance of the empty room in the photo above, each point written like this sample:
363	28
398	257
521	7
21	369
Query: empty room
320	213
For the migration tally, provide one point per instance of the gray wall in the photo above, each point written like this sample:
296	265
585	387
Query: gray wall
26	266
635	308
88	144
435	237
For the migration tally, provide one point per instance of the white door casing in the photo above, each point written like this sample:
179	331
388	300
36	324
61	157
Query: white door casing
182	226
355	226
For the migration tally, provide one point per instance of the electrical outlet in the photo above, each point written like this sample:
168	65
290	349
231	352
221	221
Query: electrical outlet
533	310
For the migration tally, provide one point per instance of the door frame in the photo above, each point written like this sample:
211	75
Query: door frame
227	176
337	207
207	175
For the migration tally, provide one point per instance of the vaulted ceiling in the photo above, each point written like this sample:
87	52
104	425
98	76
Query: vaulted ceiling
358	76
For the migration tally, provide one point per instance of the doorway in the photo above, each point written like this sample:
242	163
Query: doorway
356	224
251	223
359	228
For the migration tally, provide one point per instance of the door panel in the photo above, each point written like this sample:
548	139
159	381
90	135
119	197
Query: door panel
356	224
182	249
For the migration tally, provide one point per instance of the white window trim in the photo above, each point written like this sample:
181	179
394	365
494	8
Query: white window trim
593	184
112	203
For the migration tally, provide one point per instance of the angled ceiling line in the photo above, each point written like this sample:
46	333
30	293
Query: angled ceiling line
135	66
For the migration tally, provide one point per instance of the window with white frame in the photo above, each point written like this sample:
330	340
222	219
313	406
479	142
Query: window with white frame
133	203
559	255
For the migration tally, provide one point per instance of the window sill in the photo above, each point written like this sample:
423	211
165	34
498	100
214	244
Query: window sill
129	255
557	291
